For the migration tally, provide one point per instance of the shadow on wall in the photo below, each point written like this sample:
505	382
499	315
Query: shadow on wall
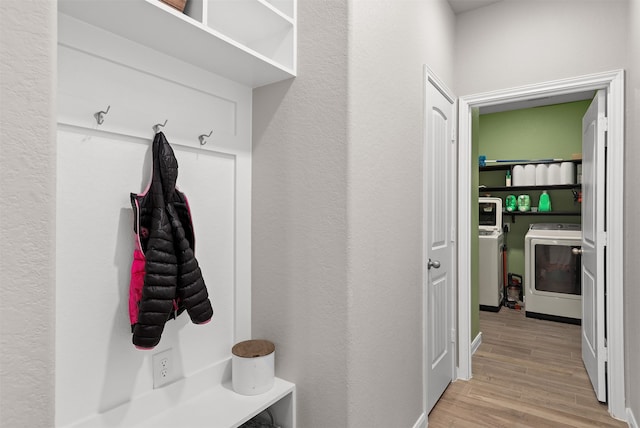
124	361
265	106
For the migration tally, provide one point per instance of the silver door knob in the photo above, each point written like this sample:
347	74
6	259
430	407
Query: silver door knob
576	251
433	264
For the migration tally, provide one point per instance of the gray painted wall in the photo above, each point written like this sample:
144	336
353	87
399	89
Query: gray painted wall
337	209
388	46
299	217
513	43
632	207
27	212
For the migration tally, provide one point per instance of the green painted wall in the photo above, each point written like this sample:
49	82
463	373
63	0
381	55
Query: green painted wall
541	132
535	133
475	308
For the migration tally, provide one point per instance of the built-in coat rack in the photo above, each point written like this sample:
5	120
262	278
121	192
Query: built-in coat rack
100	117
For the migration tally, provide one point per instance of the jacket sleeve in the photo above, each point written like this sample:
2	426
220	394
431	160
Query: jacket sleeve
192	291
159	290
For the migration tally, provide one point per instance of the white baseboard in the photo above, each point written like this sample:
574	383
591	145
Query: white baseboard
476	343
631	419
421	422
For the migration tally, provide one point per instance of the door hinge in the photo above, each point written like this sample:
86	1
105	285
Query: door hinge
603	123
603	126
454	336
453	134
453	234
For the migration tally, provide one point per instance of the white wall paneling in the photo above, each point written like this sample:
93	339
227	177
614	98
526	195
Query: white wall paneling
143	92
97	367
94	250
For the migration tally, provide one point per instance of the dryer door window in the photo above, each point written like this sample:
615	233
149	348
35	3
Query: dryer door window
557	269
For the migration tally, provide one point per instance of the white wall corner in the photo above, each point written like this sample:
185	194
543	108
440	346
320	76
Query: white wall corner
631	419
421	422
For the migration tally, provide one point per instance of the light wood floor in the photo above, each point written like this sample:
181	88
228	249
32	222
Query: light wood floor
526	373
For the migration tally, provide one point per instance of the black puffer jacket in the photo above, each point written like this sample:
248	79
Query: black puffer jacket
172	279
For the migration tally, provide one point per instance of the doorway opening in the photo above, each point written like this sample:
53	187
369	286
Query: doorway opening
613	84
531	170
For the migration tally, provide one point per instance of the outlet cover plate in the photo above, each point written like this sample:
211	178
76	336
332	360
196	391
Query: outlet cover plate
163	368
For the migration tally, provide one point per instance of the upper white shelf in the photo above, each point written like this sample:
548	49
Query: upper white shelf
252	42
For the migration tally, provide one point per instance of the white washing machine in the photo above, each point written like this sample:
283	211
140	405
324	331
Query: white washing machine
552	276
491	246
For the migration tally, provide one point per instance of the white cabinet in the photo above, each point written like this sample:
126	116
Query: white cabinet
252	42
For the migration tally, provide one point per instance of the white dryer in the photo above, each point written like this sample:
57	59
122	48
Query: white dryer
490	258
552	276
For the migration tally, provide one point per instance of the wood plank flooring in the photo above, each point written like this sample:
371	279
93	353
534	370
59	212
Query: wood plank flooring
526	373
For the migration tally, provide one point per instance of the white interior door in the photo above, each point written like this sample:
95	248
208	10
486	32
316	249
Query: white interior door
593	243
439	239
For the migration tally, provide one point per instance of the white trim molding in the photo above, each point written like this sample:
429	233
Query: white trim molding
631	419
464	239
421	422
476	343
613	83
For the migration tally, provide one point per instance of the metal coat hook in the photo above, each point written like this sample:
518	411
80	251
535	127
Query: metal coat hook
203	136
157	126
100	115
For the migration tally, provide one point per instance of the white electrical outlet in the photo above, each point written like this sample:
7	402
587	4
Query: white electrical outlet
163	370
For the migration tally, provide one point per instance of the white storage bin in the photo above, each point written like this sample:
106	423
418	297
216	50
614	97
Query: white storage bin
252	367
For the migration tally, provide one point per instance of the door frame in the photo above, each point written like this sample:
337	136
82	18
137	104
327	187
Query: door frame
613	83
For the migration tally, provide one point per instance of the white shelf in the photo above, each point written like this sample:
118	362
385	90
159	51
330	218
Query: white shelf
221	407
252	42
255	24
287	7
